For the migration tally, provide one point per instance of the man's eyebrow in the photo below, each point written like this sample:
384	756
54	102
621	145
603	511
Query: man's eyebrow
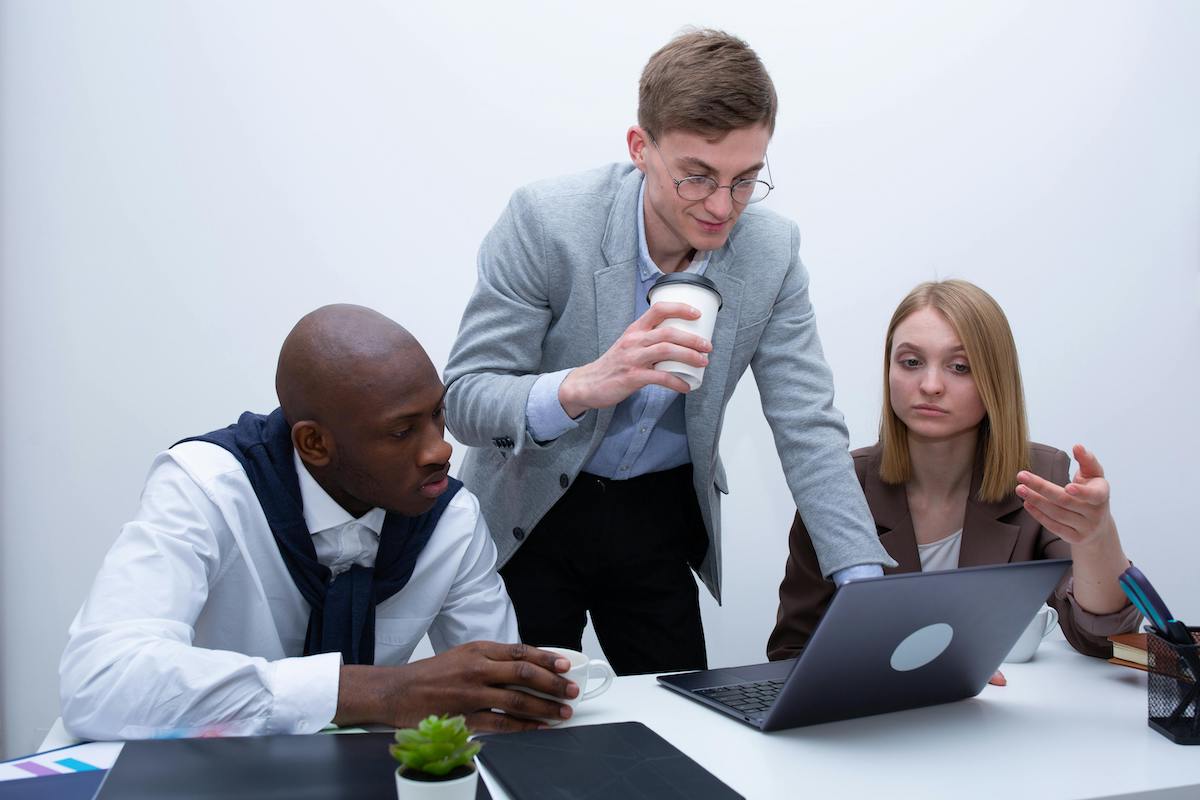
404	414
697	165
693	164
753	168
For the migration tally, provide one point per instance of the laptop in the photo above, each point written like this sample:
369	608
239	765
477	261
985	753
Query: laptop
886	644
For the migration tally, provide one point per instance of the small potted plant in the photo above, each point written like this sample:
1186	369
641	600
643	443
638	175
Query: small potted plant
436	760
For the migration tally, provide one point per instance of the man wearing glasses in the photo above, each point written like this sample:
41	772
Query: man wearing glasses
600	476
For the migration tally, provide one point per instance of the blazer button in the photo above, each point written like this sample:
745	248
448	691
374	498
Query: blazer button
518	533
564	481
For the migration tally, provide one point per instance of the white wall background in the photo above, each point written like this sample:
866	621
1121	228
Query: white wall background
180	181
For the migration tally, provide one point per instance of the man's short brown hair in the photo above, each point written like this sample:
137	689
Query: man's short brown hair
707	82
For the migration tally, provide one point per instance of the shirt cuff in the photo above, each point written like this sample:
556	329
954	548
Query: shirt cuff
545	418
1123	620
856	572
305	692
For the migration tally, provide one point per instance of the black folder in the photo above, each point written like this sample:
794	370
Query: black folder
354	766
600	762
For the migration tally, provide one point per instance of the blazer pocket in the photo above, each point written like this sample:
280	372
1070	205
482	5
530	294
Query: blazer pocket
751	331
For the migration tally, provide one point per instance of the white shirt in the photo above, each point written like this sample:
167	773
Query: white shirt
341	541
194	625
942	554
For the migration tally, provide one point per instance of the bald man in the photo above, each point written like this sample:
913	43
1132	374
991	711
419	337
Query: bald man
280	571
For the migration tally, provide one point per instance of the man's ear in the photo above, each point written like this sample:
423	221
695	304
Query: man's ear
637	140
313	442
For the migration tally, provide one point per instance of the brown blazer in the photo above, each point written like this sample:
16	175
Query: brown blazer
993	533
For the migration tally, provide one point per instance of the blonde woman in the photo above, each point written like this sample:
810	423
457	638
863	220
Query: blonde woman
955	482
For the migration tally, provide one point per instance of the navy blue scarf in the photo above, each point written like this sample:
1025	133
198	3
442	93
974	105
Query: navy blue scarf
342	617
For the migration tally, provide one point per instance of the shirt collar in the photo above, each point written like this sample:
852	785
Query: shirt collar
322	512
647	269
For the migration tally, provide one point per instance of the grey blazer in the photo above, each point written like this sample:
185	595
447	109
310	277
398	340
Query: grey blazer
556	289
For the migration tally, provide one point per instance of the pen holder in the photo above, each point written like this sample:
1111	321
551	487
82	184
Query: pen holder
1172	691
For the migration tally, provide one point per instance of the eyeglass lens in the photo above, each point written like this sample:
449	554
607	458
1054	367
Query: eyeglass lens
699	187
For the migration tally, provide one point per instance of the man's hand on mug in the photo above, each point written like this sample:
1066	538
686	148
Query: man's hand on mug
470	679
629	364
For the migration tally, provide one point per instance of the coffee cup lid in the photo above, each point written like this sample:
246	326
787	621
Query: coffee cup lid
690	278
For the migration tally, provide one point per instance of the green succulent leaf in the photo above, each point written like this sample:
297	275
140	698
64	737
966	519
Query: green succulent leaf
436	746
438	767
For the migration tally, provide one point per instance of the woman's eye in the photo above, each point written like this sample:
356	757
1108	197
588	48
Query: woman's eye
961	369
401	434
910	362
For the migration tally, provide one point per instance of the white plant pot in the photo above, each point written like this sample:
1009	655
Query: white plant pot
458	789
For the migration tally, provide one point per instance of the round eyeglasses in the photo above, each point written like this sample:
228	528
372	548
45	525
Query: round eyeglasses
700	187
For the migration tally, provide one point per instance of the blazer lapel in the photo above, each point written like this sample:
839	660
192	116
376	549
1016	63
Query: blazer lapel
889	507
614	283
620	244
614	304
985	538
703	407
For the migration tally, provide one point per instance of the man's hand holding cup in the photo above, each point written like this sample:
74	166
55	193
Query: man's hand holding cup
667	346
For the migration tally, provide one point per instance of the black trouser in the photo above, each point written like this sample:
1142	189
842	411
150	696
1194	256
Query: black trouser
620	550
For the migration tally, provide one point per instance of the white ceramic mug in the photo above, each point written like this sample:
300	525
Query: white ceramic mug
582	670
698	292
1039	628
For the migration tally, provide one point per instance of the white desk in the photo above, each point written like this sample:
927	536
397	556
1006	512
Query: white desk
1065	727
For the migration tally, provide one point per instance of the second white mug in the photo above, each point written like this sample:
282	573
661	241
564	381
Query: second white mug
582	671
1039	628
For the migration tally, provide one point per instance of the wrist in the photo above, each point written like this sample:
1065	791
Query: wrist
1103	541
569	397
358	696
1101	558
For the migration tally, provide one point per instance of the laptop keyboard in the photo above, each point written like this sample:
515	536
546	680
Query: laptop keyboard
745	698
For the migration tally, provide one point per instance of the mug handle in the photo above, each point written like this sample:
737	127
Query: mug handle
1051	621
594	666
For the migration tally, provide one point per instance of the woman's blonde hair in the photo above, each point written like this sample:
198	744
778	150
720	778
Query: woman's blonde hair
985	335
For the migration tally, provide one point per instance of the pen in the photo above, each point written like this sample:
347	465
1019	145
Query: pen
1179	633
1141	593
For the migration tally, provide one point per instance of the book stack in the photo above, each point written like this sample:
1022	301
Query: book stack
1129	650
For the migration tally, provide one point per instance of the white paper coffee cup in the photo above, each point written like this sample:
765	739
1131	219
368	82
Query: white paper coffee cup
700	293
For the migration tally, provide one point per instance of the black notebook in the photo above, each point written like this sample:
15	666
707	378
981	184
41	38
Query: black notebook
621	759
354	766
